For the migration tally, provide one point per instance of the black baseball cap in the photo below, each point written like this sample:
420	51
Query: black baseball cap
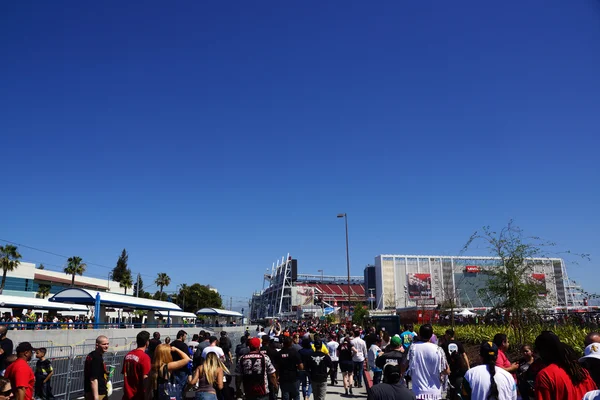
23	347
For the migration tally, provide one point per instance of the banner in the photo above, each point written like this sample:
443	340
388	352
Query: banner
540	279
303	296
419	286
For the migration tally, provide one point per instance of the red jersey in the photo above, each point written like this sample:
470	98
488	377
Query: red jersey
553	383
135	365
20	374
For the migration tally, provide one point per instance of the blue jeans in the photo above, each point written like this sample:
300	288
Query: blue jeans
180	378
289	390
305	381
377	374
206	396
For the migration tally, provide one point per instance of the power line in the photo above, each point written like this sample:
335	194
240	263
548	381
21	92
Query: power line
98	265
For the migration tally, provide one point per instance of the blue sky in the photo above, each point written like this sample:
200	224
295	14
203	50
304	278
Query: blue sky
211	138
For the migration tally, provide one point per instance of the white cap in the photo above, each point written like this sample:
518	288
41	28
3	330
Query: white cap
591	351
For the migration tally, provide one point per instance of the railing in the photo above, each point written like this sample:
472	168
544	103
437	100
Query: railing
68	362
104	325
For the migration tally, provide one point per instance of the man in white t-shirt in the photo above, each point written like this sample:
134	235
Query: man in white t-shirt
359	357
332	346
213	348
261	333
426	363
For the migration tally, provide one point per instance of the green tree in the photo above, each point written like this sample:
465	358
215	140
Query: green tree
516	293
75	266
160	296
126	281
43	291
162	280
121	268
197	296
360	314
9	260
138	286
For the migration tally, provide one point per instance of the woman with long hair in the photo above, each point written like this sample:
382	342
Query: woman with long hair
345	353
163	365
526	373
488	381
563	378
207	377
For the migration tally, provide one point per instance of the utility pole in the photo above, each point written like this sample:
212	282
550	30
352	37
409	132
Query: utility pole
137	287
230	303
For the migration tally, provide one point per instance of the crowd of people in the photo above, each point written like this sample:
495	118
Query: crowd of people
302	360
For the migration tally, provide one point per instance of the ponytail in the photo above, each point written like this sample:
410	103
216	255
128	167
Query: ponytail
491	367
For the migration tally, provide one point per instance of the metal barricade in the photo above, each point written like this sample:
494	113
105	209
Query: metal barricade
60	357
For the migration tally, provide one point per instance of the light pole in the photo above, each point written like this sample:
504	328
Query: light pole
345	216
321	271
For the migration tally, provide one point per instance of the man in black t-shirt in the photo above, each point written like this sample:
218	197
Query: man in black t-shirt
458	361
6	347
318	364
395	356
94	371
180	375
371	338
391	388
289	362
153	343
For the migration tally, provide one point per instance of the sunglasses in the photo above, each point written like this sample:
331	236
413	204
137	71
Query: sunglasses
6	393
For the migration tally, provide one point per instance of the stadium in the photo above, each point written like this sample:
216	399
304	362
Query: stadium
286	294
404	281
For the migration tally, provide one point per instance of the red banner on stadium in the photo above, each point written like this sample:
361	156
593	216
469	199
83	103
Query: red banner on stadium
419	286
540	279
473	269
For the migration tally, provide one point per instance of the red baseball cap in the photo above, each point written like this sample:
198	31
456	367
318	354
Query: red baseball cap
254	343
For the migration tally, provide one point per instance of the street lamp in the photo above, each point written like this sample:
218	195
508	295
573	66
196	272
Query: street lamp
345	216
321	271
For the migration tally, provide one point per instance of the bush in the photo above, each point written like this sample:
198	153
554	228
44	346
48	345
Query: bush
475	334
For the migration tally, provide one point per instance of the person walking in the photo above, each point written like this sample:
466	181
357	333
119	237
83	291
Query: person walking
345	353
426	364
488	381
94	371
136	368
358	358
563	378
374	352
6	347
180	375
332	346
207	377
392	387
318	365
162	368
20	374
290	363
458	361
257	371
303	376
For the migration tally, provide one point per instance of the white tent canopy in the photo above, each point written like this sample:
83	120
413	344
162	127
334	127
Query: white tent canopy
86	296
219	312
466	313
38	304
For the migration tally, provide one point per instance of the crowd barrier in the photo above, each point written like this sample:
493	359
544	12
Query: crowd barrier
68	363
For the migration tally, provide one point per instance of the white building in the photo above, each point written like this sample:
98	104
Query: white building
26	279
405	280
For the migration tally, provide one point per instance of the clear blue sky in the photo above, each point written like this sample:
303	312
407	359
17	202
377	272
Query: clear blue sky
210	138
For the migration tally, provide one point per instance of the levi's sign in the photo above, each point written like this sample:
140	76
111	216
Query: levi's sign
472	268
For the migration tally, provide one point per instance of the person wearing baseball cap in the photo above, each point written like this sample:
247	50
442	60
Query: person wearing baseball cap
394	355
20	373
488	380
256	369
392	386
591	361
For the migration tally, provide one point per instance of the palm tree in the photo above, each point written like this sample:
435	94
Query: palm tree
161	281
75	266
43	291
9	261
126	280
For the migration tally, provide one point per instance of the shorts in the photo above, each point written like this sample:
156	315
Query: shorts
346	366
